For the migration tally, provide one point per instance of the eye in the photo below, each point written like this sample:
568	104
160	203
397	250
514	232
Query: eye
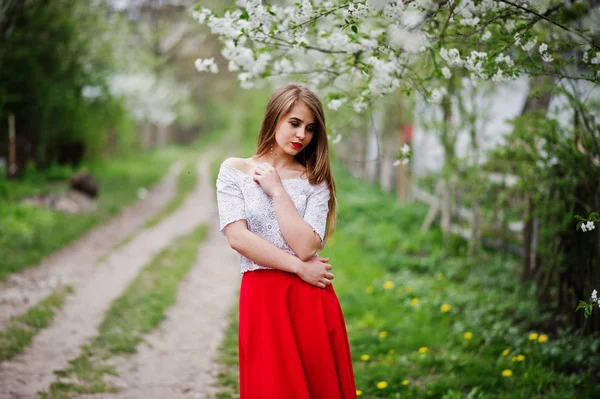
295	124
311	129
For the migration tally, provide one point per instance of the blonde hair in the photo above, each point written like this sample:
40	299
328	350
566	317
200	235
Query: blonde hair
315	156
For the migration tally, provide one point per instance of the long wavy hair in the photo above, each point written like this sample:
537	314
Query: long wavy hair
315	155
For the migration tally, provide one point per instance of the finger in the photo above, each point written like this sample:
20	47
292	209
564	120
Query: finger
326	282
321	285
323	259
330	276
328	266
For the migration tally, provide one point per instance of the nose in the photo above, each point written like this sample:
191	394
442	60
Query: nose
301	132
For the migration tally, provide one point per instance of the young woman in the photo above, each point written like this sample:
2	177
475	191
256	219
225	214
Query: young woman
277	208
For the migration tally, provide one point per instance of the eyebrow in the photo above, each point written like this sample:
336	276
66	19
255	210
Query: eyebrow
298	119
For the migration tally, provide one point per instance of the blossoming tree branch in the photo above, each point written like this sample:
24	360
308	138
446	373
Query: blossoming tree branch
357	51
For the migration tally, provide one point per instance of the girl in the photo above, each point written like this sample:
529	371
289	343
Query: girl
277	208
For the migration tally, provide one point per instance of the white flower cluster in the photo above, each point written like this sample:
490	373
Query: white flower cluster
595	298
446	72
337	103
405	150
544	53
207	65
356	10
589	226
438	94
593	61
452	56
529	45
263	39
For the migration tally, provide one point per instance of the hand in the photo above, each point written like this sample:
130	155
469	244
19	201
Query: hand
268	178
316	271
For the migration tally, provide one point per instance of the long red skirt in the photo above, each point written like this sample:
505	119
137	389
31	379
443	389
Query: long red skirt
292	340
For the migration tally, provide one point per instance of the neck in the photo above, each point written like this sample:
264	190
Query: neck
281	160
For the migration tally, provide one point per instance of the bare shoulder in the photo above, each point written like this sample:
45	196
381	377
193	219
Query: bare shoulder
241	164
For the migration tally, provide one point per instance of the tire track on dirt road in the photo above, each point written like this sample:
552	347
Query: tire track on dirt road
32	371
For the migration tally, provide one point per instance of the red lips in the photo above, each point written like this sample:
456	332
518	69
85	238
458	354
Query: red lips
297	145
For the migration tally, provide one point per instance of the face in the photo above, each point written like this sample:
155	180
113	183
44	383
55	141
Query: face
297	127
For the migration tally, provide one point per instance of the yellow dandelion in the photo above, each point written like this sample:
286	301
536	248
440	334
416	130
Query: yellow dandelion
543	338
388	285
382	385
370	289
468	335
533	336
505	352
365	357
391	351
506	373
514	358
383	334
520	358
414	301
358	392
405	382
423	349
445	307
440	276
408	288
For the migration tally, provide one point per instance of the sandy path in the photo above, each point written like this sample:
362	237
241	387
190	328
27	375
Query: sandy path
77	261
32	371
178	361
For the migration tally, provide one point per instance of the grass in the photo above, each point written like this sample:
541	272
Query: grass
138	311
393	283
24	327
28	234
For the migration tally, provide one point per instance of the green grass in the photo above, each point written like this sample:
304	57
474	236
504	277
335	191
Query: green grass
24	327
28	234
392	281
138	311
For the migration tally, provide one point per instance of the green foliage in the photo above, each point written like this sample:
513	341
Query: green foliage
28	233
391	278
50	51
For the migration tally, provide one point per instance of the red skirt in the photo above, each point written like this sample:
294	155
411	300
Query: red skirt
292	340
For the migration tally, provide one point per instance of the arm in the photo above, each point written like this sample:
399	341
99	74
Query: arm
299	235
262	252
259	250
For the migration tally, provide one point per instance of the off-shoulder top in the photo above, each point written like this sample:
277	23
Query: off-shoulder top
240	197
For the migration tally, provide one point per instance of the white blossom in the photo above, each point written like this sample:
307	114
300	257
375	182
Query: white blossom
337	103
594	296
359	105
405	149
530	44
437	94
206	65
486	35
446	72
498	77
590	225
547	57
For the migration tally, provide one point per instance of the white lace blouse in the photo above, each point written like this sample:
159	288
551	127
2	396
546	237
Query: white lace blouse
240	197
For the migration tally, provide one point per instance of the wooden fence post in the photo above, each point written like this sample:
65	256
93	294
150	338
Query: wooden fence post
12	146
